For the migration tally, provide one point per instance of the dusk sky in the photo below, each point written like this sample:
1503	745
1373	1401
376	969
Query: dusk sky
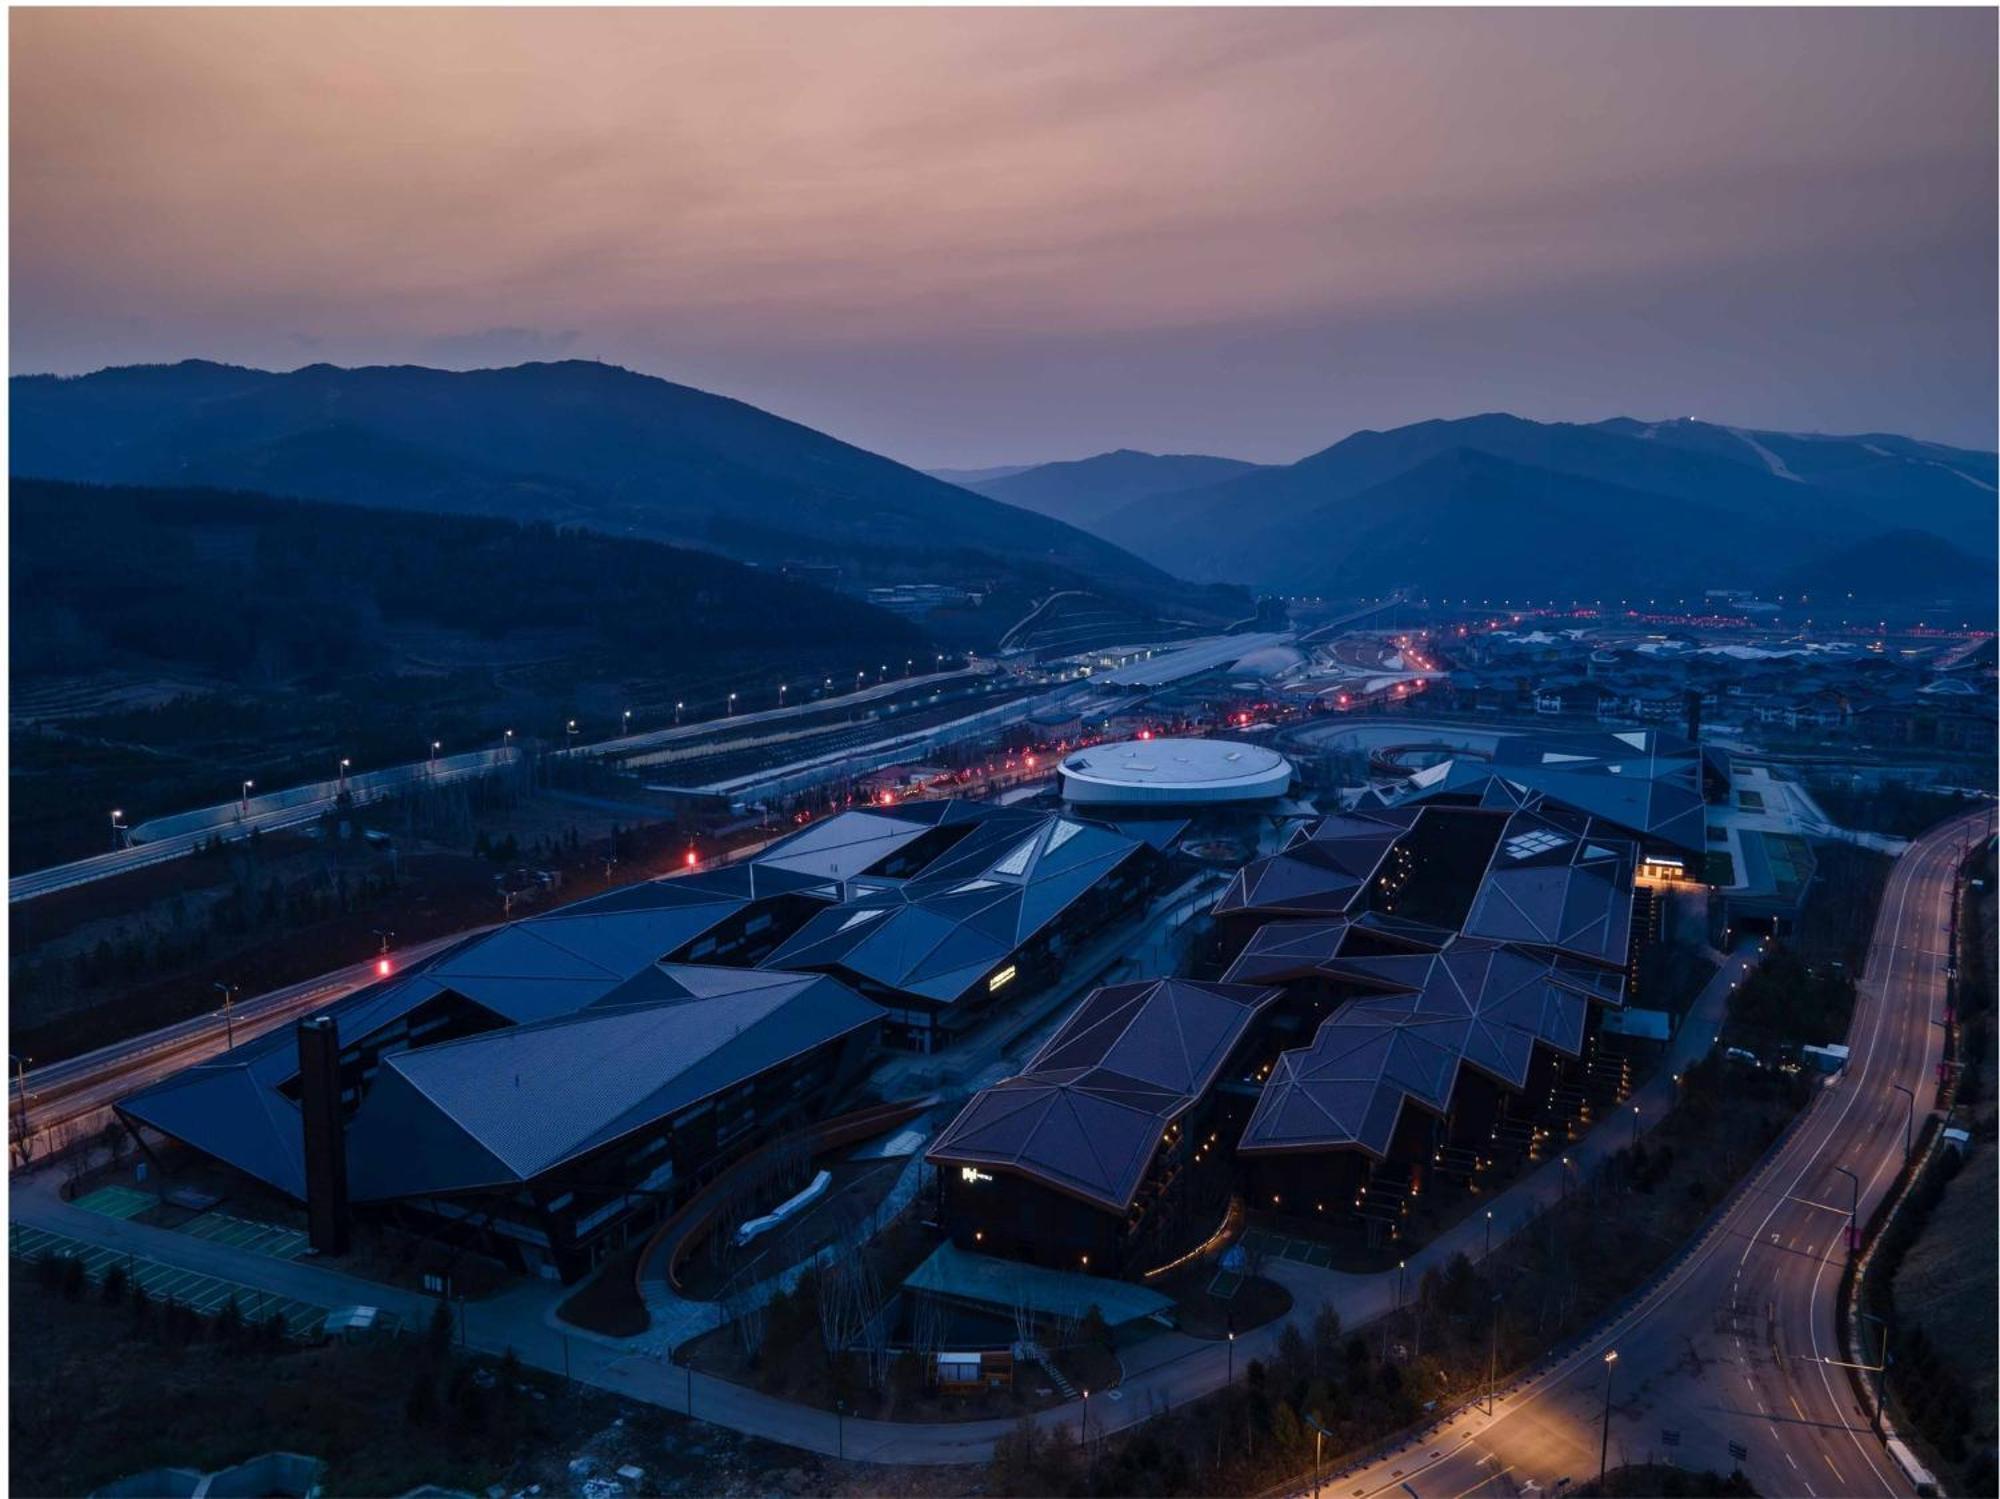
984	237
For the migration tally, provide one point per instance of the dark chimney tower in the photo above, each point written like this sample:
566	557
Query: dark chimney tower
325	1134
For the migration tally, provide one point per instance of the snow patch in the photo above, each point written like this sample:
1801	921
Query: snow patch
1771	460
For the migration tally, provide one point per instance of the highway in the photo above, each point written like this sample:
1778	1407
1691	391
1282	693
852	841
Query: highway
181	834
79	1091
1729	1347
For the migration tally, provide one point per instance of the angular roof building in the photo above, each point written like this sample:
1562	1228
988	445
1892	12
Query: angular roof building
1423	1018
1647	782
1087	1113
1121	1112
548	1047
1548	877
974	903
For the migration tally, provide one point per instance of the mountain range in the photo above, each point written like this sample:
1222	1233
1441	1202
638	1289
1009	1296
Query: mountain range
570	443
1085	491
1484	505
1497	504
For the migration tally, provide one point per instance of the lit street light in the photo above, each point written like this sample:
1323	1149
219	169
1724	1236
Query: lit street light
732	705
117	827
625	725
245	802
677	713
344	764
1604	1442
569	734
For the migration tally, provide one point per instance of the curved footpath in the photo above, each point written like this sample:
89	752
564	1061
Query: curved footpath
1167	1372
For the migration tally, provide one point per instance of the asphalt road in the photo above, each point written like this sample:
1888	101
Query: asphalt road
177	836
1728	1346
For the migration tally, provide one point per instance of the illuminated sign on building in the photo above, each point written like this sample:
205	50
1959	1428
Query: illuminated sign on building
1001	979
973	1174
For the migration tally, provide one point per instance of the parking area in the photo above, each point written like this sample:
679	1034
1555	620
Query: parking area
238	1233
206	1294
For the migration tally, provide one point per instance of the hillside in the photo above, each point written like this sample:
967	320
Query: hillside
1266	527
1086	490
572	443
1468	524
1896	567
209	636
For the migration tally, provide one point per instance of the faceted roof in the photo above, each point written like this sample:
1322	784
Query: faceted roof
599	951
945	930
505	1106
1419	1017
1324	868
1646	781
1556	880
1087	1114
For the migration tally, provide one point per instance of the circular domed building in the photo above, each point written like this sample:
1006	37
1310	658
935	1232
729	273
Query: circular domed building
1174	773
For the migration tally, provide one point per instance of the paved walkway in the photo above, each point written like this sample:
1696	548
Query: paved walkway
1165	1376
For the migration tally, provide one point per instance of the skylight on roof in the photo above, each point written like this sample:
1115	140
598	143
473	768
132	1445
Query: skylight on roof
1527	845
1017	862
973	885
857	918
1065	830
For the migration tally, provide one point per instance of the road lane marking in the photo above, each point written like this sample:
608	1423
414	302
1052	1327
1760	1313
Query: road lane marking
1484	1481
1788	1457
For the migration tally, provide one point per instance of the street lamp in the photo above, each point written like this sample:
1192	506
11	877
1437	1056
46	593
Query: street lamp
117	827
435	747
1232	1357
245	801
732	705
625	725
1493	1356
781	693
344	764
1086	1421
1853	1209
569	734
1635	1125
228	1019
677	713
1909	1119
1604	1442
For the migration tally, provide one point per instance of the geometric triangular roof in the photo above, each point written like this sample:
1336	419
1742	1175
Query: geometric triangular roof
1088	1113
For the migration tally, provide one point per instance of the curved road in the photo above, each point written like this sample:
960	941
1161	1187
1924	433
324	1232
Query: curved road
1730	1346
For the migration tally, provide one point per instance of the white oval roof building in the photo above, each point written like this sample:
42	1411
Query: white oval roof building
1174	772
